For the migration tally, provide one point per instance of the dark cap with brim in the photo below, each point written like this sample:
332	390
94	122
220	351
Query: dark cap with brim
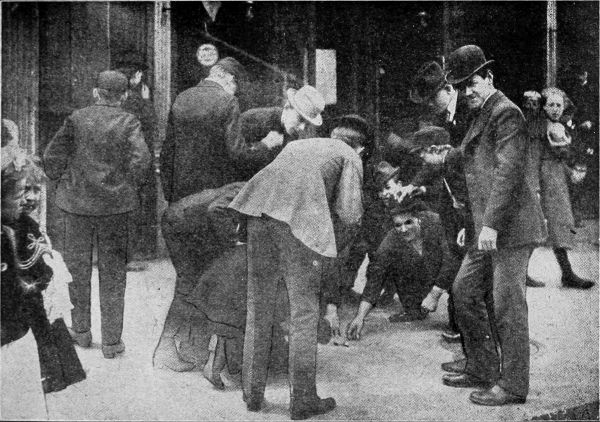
232	66
356	122
112	81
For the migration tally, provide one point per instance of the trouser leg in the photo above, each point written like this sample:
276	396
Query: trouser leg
186	232
263	278
302	275
511	319
112	262
470	290
78	243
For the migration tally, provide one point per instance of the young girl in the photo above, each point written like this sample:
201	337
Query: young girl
555	141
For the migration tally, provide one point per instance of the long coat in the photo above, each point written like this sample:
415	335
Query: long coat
203	142
500	178
553	185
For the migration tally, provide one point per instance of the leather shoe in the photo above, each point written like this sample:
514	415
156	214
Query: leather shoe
530	282
456	366
576	282
254	404
495	396
110	351
464	381
81	339
300	409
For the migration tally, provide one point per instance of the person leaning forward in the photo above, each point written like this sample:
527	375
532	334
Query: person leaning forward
508	223
199	228
301	210
203	142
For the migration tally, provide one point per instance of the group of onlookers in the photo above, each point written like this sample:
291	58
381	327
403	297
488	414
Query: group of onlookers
267	225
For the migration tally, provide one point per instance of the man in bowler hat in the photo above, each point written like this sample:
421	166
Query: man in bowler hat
508	223
430	88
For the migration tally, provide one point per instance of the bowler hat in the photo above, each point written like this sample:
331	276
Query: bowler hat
428	136
384	171
358	123
308	102
429	80
232	66
464	62
112	81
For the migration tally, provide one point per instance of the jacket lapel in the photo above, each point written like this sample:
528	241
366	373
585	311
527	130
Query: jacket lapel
479	121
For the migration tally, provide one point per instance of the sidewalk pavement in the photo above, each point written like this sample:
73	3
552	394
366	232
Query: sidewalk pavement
392	373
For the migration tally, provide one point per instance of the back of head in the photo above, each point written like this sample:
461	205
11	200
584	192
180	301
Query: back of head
111	85
355	131
228	65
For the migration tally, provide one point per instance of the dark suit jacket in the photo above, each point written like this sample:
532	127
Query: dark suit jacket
203	142
397	256
100	157
256	123
494	156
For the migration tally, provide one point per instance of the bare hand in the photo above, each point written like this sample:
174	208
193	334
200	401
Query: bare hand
354	329
416	190
430	302
331	316
587	125
487	239
273	139
145	91
460	239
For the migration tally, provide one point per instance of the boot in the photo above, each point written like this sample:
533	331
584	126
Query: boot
304	409
166	356
216	363
81	339
569	279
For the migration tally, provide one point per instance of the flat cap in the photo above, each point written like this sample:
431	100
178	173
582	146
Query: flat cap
232	66
112	81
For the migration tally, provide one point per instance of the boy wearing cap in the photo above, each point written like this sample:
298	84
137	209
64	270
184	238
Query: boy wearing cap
99	157
414	254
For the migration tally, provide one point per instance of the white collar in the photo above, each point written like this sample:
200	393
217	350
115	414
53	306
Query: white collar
451	109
